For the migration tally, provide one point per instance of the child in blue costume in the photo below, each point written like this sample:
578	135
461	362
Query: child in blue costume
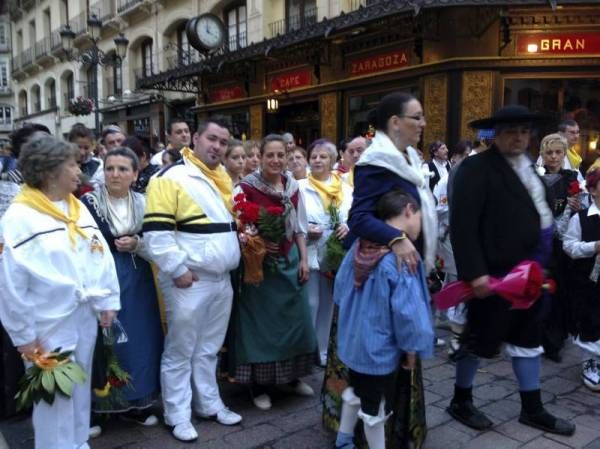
384	319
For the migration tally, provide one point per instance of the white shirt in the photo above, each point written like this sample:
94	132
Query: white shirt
157	158
44	279
317	215
572	243
441	167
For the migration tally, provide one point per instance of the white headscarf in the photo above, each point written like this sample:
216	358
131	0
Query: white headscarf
383	153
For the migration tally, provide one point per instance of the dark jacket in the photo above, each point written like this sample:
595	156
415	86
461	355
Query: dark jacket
494	223
370	183
436	174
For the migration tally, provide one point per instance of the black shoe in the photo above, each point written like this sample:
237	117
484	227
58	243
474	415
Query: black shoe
547	422
466	413
554	356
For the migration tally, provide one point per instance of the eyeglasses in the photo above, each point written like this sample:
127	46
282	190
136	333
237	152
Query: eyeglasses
417	118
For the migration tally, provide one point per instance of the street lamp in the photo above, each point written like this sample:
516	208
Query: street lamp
93	56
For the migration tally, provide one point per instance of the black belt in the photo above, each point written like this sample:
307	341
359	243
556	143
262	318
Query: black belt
208	228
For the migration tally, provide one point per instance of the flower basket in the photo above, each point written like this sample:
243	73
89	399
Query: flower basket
81	106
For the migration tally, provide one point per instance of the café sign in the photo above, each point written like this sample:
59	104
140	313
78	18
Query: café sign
378	62
291	80
225	93
558	44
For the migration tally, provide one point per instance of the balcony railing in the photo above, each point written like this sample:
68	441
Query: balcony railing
55	40
42	48
126	5
27	57
236	42
16	63
79	23
104	9
356	4
292	23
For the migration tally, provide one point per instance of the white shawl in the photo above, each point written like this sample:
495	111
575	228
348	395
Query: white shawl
383	153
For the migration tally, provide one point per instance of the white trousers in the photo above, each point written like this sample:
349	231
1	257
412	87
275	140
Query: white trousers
66	423
320	300
197	319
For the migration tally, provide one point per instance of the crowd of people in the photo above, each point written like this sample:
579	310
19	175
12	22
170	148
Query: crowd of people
108	236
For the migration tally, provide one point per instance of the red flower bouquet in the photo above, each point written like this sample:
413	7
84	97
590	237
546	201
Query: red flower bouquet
258	224
522	287
574	188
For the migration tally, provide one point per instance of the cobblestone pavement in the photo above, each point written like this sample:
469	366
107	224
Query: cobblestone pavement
295	423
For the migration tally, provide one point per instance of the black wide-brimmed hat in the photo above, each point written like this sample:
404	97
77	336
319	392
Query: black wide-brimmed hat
509	114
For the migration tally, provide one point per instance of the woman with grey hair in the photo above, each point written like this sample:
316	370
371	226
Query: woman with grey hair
119	212
327	199
57	280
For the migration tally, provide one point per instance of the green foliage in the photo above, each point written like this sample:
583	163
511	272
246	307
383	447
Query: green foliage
271	227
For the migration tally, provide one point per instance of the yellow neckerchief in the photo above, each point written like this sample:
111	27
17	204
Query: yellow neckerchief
574	158
37	200
328	192
219	176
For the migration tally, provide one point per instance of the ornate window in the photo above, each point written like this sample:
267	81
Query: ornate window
236	27
300	13
147	58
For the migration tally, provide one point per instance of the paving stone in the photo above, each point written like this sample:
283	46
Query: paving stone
501	368
492	440
492	392
436	416
566	408
305	439
559	386
431	397
444	388
544	443
502	410
594	444
440	372
583	436
259	434
517	431
445	437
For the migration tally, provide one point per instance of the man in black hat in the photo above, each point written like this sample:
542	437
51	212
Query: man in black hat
502	219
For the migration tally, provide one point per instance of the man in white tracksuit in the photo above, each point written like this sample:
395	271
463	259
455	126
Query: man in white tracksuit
191	235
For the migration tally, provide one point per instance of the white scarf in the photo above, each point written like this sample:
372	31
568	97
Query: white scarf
383	153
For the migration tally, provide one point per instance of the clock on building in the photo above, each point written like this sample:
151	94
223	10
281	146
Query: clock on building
206	33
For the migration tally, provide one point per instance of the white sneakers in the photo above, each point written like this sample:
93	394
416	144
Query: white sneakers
224	416
185	432
590	374
95	431
262	402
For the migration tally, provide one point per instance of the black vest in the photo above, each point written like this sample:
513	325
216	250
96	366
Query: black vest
590	232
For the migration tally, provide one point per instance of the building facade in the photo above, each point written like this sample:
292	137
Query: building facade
327	63
7	110
47	78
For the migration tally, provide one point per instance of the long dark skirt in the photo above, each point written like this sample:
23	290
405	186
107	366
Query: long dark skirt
405	429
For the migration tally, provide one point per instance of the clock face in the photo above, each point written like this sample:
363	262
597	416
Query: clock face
210	31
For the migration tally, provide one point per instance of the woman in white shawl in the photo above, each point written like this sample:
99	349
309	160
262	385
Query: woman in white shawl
390	162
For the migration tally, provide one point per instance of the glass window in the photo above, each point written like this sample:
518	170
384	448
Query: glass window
236	26
359	106
147	58
571	98
118	78
3	74
2	116
300	13
237	120
3	34
184	55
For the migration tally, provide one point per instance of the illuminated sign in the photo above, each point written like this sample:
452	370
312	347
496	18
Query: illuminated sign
378	62
291	80
558	44
218	94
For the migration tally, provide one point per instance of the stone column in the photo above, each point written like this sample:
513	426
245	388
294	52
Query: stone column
257	126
